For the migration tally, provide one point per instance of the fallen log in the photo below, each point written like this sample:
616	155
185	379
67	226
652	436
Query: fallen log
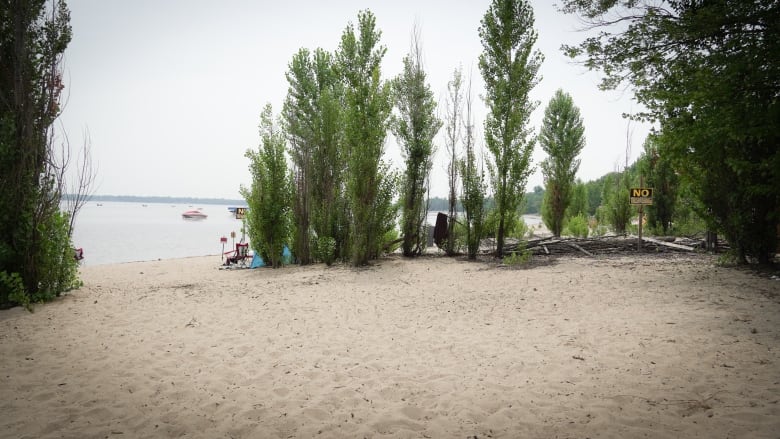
669	244
573	245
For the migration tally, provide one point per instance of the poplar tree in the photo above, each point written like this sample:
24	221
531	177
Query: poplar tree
415	127
312	121
562	137
367	109
36	255
509	67
473	180
270	195
452	138
707	72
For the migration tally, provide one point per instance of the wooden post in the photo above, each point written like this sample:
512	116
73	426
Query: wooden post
641	211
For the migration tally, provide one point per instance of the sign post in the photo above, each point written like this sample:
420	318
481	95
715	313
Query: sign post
641	196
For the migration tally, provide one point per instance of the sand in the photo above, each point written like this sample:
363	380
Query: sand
622	347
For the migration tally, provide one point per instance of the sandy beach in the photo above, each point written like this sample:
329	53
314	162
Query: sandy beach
609	347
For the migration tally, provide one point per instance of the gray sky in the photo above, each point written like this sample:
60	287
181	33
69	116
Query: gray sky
171	90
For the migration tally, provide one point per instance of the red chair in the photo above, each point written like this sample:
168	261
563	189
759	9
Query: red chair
238	256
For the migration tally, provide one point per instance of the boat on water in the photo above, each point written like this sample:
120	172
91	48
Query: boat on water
194	214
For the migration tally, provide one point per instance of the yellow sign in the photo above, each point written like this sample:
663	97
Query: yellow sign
641	195
240	212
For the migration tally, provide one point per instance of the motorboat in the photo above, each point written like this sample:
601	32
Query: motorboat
194	214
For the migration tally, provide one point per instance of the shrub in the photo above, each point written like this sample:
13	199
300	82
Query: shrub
577	226
519	257
326	249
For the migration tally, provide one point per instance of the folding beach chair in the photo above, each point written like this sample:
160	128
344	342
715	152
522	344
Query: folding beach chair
238	256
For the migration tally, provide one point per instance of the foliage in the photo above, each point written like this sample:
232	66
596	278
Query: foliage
454	118
578	204
326	249
707	73
616	211
509	68
533	200
521	256
312	116
514	225
366	113
473	182
12	290
415	127
577	226
390	237
562	137
594	189
58	266
33	248
661	177
270	196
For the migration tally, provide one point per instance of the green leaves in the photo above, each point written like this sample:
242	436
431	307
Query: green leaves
707	72
562	137
509	67
415	126
270	196
367	110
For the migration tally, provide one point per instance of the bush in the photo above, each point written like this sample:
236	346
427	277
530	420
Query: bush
12	290
325	250
391	236
577	226
519	257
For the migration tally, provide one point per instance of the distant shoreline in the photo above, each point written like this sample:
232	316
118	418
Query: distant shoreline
163	200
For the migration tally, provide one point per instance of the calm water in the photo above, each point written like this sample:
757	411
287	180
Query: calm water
126	232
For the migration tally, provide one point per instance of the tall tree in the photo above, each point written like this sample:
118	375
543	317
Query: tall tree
473	180
270	195
36	258
562	137
509	66
311	114
300	113
709	74
368	105
453	129
415	127
660	176
578	203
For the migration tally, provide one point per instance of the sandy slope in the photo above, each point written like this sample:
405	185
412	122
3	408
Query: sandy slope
588	347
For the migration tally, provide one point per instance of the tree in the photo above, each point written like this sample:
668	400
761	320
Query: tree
707	72
578	204
615	209
312	121
562	137
415	127
453	128
367	110
36	256
660	176
270	196
300	113
509	68
473	180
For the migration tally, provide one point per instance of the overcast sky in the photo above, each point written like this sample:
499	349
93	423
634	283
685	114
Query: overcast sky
171	90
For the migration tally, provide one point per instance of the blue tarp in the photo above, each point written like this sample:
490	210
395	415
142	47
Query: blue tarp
257	260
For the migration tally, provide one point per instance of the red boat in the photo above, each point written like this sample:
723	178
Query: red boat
194	214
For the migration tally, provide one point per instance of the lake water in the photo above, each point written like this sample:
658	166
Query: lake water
125	232
117	232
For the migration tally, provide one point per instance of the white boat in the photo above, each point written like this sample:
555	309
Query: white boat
194	214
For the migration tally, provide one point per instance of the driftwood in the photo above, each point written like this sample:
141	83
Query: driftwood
669	244
593	246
